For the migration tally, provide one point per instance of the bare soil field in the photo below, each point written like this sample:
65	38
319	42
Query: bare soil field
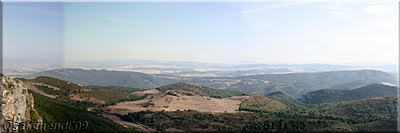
163	102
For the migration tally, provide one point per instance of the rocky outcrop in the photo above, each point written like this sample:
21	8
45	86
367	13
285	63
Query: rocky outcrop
16	102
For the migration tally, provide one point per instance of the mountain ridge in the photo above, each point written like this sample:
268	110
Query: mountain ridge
331	95
293	84
106	77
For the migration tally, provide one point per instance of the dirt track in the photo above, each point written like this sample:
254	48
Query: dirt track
33	88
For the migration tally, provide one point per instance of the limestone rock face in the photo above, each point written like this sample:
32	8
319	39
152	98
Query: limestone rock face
16	102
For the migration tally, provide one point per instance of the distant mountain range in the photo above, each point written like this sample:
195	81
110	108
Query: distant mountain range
311	67
22	68
330	95
230	73
293	84
106	78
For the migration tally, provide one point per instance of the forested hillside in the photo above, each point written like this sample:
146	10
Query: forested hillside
330	95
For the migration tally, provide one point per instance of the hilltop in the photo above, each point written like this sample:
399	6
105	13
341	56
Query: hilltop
198	90
55	83
292	104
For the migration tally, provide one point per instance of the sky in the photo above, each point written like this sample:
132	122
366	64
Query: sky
292	32
33	32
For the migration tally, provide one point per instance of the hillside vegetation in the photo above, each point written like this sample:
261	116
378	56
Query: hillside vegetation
330	95
199	90
111	95
362	112
372	114
296	84
52	110
62	84
291	104
193	121
261	104
88	95
106	78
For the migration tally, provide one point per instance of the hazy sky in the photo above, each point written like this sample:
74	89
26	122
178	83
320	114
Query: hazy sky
33	32
264	32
